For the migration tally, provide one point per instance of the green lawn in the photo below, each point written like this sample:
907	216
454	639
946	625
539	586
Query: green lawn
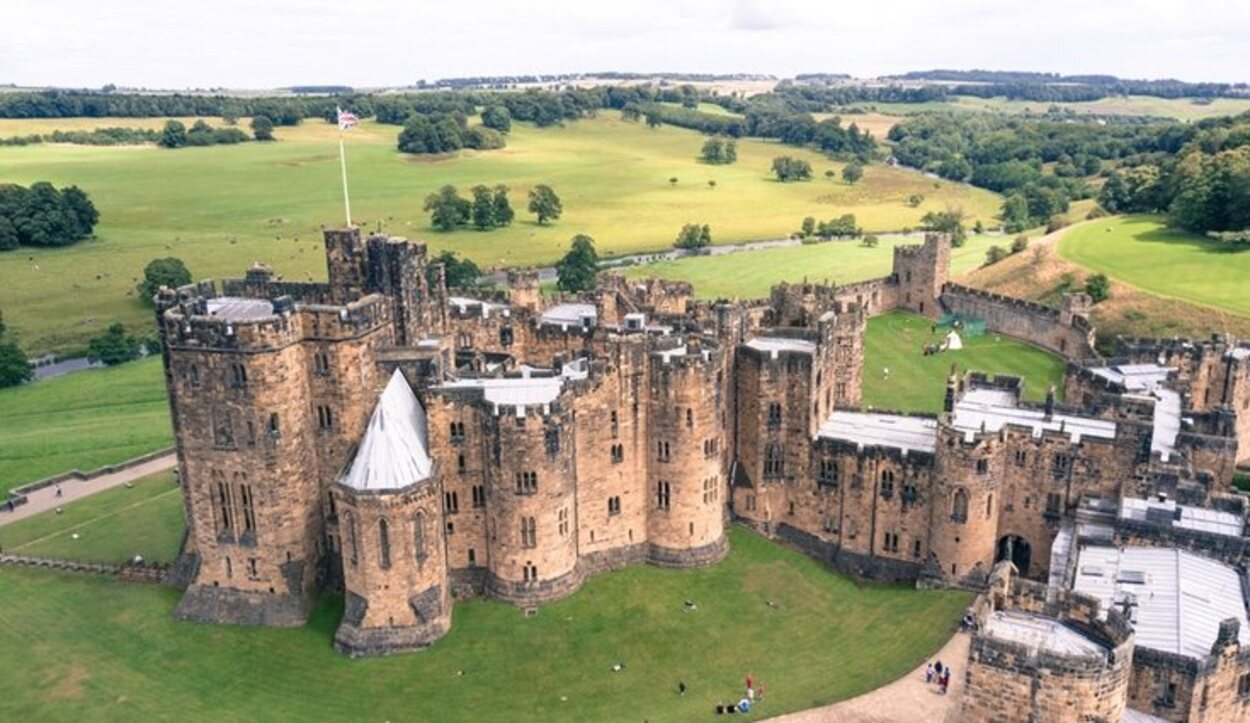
112	526
82	421
1143	252
220	208
917	383
750	274
106	651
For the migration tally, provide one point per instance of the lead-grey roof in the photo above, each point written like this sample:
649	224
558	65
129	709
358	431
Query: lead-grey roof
393	452
236	308
1191	518
1178	598
990	409
524	390
1134	377
869	429
570	314
773	345
1040	633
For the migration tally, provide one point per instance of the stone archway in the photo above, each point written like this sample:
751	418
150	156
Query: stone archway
1016	549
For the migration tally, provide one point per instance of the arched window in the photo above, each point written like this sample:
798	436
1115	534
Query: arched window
418	536
959	505
384	544
353	543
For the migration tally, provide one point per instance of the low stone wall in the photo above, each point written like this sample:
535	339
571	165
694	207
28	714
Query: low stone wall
204	603
148	574
692	557
18	496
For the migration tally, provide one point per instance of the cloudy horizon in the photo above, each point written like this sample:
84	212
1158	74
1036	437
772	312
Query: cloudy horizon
379	43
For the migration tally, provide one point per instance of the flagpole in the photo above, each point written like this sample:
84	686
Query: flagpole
347	204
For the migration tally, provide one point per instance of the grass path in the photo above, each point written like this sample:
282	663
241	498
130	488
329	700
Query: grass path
109	651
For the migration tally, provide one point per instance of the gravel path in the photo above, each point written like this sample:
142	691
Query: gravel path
45	499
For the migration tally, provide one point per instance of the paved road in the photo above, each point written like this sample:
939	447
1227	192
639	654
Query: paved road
46	499
906	700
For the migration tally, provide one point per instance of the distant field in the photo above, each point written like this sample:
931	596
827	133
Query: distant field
1143	252
84	420
879	124
710	108
220	208
111	526
86	648
917	383
1138	105
750	274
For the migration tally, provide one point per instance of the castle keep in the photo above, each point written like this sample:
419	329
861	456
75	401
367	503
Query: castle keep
378	434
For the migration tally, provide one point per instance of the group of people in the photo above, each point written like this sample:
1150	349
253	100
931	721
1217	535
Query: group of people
939	674
742	706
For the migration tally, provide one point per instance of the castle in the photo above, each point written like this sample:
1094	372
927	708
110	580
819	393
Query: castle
379	434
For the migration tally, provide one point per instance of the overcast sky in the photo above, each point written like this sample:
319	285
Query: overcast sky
271	43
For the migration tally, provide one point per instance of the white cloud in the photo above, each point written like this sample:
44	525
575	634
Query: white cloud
253	43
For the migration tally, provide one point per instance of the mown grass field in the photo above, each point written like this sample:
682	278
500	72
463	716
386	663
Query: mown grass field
82	647
112	526
917	383
750	274
220	208
1143	252
82	421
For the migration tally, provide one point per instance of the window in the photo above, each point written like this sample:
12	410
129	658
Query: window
563	519
253	570
238	376
831	524
529	533
194	374
618	453
325	419
750	503
251	434
479	496
245	503
472	557
451	502
983	466
662	495
689	417
915	549
552	439
1167	694
614	506
457	431
223	429
828	474
773	464
1061	464
959	505
1022	457
460	464
615	425
662	451
1054	504
321	364
890	542
774	415
530	572
711	447
526	483
505	336
223	504
384	544
710	491
989	506
273	424
1243	686
418	537
887	483
353	543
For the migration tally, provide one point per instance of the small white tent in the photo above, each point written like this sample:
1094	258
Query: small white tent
953	342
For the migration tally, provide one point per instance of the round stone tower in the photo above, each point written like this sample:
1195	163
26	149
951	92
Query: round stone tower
964	522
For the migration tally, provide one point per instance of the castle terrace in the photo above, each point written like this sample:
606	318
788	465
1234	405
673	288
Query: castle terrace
1041	633
570	315
773	345
239	309
1176	599
866	429
989	410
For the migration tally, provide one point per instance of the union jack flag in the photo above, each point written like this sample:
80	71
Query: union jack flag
347	119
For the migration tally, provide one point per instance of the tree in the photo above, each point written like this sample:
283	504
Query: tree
653	119
498	118
9	239
711	183
545	204
791	169
915	200
830	175
852	172
978	228
713	151
869	241
501	208
114	347
457	272
169	271
483	213
577	270
693	236
15	368
808	227
447	209
1098	287
1019	244
950	221
994	254
840	227
730	154
174	135
672	181
262	128
79	204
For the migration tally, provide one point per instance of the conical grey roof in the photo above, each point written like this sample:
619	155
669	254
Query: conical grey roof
393	453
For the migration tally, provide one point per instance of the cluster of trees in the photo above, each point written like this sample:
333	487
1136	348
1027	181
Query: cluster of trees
577	269
15	368
113	136
996	81
718	151
115	346
693	237
844	226
457	272
42	215
169	271
950	221
489	208
1204	187
176	135
446	132
997	253
789	169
